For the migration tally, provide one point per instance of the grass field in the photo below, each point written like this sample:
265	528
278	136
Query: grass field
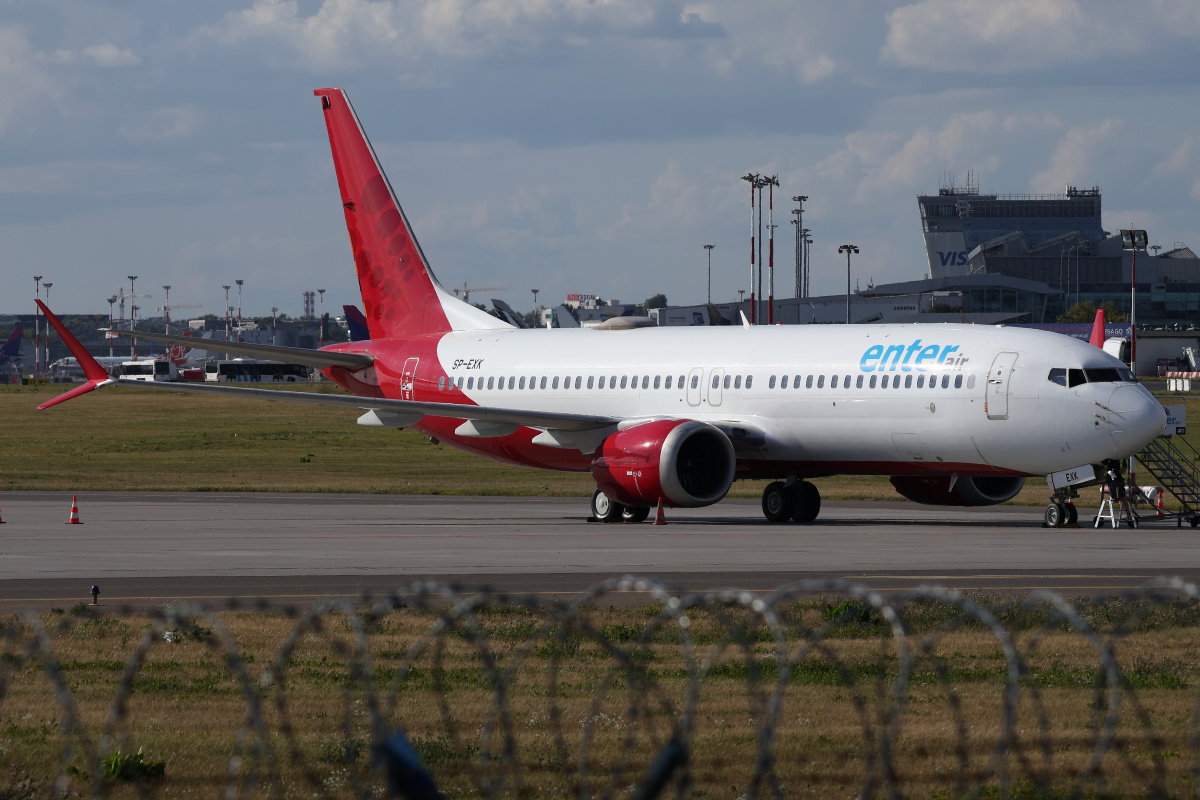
571	696
121	439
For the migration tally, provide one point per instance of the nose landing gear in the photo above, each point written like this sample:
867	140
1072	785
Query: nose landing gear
1062	513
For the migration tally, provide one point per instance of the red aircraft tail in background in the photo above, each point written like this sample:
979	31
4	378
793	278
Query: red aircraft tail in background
1098	329
95	374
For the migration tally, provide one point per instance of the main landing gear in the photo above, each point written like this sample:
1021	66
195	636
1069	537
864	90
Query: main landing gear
798	500
605	509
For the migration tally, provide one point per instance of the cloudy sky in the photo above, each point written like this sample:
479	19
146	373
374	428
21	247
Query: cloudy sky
565	145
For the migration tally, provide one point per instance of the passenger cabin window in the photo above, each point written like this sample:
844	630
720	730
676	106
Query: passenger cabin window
645	381
441	383
737	382
543	381
783	382
680	384
873	377
885	381
808	383
522	386
695	381
658	381
958	381
945	381
820	381
591	381
512	381
728	379
796	382
920	381
578	381
554	383
749	381
908	381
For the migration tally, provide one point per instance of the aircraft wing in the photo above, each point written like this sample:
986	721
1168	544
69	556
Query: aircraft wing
532	419
321	359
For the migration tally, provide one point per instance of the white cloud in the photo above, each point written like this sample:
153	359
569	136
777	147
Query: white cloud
343	34
1012	35
25	84
109	55
164	125
1075	157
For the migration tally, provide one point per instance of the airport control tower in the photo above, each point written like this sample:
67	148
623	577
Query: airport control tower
961	226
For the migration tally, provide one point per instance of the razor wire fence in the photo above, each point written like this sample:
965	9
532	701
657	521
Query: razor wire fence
822	687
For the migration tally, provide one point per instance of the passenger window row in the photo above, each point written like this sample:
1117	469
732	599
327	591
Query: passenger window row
844	381
517	383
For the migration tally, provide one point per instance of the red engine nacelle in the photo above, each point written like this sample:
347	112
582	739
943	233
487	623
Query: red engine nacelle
977	491
684	462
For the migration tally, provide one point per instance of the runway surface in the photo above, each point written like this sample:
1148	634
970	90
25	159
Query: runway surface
149	548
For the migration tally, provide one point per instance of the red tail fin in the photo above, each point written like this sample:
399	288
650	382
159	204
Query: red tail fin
1098	329
96	376
398	289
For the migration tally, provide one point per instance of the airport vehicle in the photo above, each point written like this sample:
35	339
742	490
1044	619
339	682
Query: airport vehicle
243	370
158	369
955	414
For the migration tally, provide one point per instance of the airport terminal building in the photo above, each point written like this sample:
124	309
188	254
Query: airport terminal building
1003	258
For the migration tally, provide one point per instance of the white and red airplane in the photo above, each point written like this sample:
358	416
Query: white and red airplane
955	414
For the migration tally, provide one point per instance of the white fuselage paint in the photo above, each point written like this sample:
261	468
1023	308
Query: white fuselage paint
1028	424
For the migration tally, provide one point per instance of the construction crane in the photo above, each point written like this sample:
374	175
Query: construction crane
465	291
121	295
167	313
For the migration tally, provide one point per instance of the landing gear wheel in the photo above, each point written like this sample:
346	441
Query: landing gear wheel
605	509
808	502
778	502
1056	515
1194	521
1072	514
635	513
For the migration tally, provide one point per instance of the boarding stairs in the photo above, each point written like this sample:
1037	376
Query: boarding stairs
1172	461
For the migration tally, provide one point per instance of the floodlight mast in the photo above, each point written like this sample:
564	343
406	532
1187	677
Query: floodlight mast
848	249
752	178
46	361
771	182
37	327
709	248
132	318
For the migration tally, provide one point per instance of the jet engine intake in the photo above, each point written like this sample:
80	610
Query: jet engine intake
935	490
684	462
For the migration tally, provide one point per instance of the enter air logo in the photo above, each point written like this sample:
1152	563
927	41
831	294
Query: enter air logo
954	258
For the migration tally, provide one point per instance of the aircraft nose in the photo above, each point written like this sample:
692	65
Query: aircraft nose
1139	418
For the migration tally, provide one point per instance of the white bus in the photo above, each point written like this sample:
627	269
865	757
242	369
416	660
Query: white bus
159	369
241	370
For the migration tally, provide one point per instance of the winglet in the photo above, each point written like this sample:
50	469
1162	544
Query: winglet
1098	329
96	376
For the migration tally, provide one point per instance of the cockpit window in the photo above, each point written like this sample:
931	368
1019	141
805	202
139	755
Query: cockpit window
1108	375
1058	375
1075	377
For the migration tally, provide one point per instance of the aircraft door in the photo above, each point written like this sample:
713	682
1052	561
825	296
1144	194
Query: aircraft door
408	378
714	386
996	402
695	387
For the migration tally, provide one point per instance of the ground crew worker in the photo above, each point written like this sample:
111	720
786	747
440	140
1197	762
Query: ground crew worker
1118	493
95	595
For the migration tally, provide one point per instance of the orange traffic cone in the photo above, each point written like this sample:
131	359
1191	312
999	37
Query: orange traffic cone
660	518
74	520
1160	511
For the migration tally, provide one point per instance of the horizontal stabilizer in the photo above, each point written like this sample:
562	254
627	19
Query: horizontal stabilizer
321	359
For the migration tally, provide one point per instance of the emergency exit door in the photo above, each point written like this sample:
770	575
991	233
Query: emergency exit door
996	402
695	386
